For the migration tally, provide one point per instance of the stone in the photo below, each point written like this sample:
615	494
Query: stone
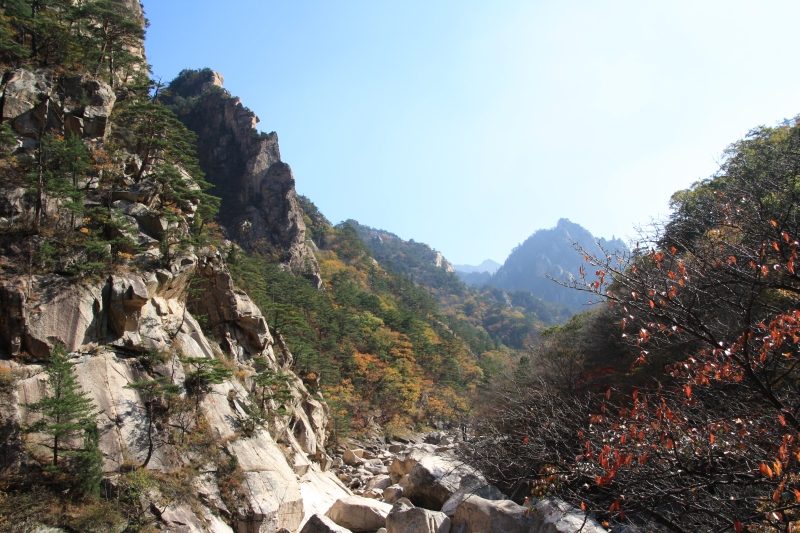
353	457
101	99
180	517
405	501
435	478
396	448
504	516
63	312
393	493
128	294
359	514
320	490
375	494
23	90
556	516
322	524
417	520
471	486
379	482
377	470
484	516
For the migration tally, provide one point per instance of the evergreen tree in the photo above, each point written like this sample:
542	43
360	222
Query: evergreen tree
67	414
151	391
89	461
207	372
110	31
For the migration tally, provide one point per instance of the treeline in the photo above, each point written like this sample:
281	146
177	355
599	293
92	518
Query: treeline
511	318
100	37
676	406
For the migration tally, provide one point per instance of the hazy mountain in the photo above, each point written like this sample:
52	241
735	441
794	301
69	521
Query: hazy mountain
546	252
551	252
487	266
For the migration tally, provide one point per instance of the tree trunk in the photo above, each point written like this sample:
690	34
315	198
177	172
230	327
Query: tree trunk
149	434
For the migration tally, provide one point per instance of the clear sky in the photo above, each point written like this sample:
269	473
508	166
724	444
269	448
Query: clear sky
469	124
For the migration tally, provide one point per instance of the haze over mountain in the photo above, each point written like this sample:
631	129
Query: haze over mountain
486	266
548	252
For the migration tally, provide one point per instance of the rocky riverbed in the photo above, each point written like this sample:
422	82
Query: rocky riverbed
419	486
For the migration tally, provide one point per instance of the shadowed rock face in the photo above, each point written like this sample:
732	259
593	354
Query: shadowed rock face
259	207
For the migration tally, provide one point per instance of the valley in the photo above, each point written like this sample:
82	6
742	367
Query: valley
189	345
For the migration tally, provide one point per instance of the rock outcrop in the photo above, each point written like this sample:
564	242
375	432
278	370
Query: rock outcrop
359	514
139	323
259	206
45	102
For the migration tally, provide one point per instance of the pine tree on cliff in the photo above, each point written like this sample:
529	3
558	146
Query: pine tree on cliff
67	414
152	392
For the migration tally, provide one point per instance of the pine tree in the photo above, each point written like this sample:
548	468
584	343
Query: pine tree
207	372
151	391
67	414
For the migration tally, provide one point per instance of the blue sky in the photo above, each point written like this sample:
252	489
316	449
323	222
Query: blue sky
468	124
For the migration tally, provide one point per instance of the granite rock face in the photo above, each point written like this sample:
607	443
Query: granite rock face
42	101
259	207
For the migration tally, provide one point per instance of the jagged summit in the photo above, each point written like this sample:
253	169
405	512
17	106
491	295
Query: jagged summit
260	208
487	266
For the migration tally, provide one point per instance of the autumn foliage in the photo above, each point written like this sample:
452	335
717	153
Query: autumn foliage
712	443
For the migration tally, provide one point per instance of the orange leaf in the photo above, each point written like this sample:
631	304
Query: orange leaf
608	393
766	471
796	495
688	390
774	223
782	420
672	250
652	304
583	507
737	526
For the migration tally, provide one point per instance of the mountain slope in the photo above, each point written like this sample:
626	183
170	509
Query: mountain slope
487	265
550	252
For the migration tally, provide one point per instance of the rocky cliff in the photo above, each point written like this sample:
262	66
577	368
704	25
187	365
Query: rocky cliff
260	208
249	461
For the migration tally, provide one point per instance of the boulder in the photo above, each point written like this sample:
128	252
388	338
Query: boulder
504	516
101	99
417	520
379	482
320	490
556	516
24	90
359	514
66	313
435	478
392	493
484	516
353	457
322	524
127	297
471	486
179	517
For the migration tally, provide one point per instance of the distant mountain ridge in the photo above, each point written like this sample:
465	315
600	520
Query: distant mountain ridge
487	266
547	252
